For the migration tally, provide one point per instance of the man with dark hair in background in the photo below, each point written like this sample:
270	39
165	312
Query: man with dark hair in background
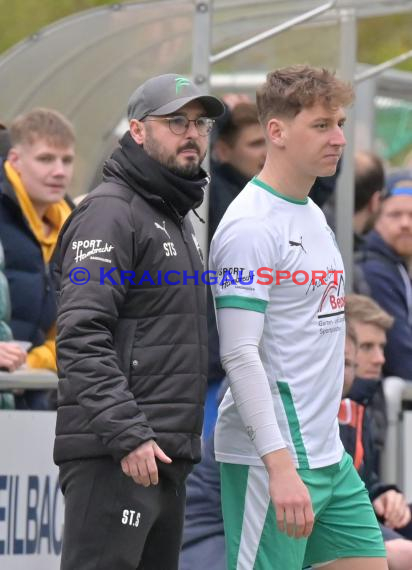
369	184
239	152
384	263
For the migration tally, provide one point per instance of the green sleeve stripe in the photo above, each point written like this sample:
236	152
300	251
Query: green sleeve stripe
235	302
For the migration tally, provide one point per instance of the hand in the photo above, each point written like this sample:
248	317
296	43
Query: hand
290	496
11	356
391	506
140	464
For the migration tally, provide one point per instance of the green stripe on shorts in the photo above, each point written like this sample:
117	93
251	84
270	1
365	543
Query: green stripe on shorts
233	492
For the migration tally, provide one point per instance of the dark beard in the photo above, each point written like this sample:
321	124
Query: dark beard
189	171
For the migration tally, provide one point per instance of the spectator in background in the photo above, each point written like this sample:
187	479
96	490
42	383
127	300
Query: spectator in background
239	153
370	324
369	184
388	248
33	182
11	355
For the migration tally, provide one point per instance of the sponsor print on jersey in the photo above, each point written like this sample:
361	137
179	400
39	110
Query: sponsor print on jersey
331	310
235	277
92	249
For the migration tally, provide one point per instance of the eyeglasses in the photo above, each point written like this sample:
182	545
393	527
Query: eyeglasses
179	124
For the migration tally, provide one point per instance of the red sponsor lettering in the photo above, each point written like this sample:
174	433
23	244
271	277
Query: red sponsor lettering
282	275
319	275
337	302
304	273
261	274
335	275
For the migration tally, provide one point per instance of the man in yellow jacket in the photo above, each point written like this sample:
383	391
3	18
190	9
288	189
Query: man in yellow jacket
33	183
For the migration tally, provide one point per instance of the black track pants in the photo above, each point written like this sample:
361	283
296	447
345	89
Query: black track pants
111	523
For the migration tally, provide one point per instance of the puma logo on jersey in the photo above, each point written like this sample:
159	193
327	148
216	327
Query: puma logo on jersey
162	228
297	244
130	517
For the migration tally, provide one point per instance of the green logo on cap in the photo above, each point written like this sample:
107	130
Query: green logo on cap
181	82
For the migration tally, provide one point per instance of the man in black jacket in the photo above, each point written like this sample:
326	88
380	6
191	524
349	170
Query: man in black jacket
132	339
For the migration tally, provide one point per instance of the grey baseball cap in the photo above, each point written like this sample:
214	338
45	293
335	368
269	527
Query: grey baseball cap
166	94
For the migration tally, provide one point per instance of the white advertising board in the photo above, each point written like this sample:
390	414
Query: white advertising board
31	504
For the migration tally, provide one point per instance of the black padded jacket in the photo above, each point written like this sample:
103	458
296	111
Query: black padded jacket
132	348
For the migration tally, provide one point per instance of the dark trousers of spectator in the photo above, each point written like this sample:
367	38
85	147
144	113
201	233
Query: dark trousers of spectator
34	400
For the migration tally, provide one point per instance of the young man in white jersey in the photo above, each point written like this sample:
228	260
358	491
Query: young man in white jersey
289	492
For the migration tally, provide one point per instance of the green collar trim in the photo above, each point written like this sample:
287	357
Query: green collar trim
265	186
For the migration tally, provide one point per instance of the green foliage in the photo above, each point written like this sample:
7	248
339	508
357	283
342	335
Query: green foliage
22	18
385	37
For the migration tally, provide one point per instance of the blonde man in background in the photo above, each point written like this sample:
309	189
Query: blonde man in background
33	183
